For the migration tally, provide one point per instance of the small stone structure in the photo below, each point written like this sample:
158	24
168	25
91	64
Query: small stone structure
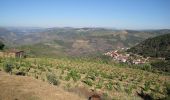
12	53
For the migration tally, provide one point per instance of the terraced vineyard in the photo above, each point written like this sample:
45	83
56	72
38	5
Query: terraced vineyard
111	81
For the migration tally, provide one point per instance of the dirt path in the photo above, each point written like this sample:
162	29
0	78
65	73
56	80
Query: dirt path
26	88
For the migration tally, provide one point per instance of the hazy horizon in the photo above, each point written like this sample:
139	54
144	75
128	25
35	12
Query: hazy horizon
117	14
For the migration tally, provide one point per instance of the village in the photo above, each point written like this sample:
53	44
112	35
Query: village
124	57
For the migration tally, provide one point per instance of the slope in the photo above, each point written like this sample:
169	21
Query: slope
154	47
107	79
26	88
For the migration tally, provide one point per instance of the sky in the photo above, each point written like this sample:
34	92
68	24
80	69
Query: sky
121	14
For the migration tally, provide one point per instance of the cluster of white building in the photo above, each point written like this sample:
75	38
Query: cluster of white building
125	57
117	56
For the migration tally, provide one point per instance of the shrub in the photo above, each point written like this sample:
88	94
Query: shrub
157	87
146	67
7	67
109	85
168	92
1	45
52	79
88	82
146	86
91	76
168	88
74	74
105	75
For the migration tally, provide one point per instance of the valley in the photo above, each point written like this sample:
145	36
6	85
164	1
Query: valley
84	50
85	61
73	41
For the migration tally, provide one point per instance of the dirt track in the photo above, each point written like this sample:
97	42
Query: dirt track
26	88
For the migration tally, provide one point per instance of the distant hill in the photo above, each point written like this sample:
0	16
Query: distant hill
12	36
154	47
73	41
7	36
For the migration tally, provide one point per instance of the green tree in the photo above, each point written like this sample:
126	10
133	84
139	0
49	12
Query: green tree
1	45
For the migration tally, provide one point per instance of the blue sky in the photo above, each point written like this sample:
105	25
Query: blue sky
124	14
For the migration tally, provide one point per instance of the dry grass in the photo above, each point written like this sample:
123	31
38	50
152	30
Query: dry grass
26	88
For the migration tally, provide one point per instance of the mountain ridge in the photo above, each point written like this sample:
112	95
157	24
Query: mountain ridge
67	39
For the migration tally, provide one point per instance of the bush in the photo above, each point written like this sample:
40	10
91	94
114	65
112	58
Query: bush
109	85
52	79
91	76
88	82
7	67
146	67
1	45
146	86
167	92
168	88
74	74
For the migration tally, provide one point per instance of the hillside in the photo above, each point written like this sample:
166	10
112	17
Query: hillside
73	41
7	36
157	47
26	88
83	76
154	47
